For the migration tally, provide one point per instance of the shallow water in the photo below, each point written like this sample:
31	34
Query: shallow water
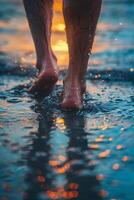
47	153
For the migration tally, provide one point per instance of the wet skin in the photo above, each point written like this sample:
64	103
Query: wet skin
80	20
39	14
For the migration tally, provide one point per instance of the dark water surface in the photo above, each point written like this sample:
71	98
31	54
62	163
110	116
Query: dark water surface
46	153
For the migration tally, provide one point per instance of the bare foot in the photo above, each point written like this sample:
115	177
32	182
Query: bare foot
47	78
73	95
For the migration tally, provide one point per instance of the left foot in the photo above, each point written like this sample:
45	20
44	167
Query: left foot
47	78
45	82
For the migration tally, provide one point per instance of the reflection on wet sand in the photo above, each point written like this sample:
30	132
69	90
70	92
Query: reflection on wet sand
59	162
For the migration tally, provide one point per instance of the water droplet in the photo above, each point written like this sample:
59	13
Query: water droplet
110	139
41	179
116	166
103	193
104	154
94	146
119	147
131	69
100	177
125	159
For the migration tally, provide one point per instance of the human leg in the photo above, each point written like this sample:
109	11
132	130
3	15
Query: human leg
39	14
81	19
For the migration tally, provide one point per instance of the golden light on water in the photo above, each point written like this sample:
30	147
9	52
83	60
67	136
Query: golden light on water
53	163
62	158
62	170
60	123
100	177
41	179
94	146
116	166
62	193
1	125
61	46
58	27
104	154
125	158
119	147
103	193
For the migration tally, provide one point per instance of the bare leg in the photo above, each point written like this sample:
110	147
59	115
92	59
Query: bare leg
81	19
39	14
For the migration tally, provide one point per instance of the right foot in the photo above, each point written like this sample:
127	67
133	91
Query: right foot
73	95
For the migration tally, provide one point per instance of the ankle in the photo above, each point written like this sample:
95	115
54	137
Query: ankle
75	84
48	62
72	81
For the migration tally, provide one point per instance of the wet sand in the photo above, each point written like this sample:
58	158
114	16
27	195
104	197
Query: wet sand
47	153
